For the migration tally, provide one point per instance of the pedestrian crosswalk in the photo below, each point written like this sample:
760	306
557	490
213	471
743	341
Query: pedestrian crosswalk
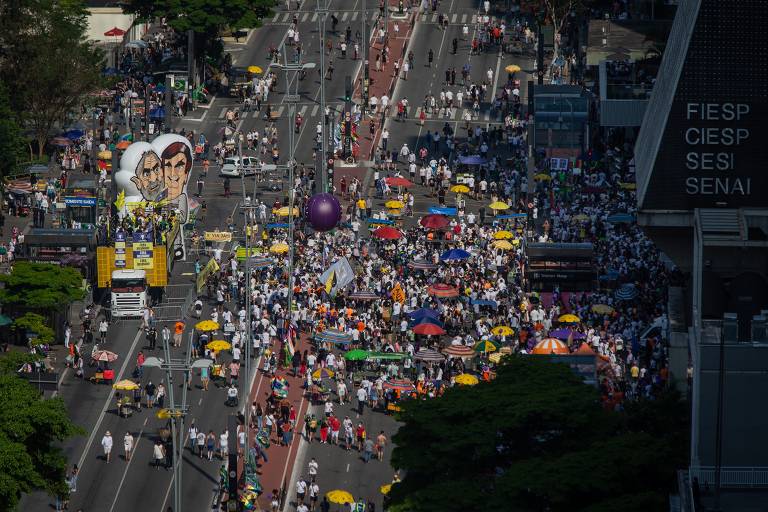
285	18
312	110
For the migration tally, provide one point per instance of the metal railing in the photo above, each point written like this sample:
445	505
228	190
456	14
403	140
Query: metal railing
731	476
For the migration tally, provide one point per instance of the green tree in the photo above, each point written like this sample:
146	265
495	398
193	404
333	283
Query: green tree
31	431
12	143
32	322
536	437
41	286
47	63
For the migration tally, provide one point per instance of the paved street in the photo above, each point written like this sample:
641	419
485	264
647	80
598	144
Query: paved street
135	485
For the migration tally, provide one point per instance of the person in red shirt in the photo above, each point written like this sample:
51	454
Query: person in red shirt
360	435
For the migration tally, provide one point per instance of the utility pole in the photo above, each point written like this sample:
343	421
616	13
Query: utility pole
190	64
168	101
320	170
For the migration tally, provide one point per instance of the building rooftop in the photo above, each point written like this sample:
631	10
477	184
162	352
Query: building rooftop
617	40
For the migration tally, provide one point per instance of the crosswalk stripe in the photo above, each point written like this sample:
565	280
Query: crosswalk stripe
304	18
354	16
335	14
314	111
463	18
423	18
314	17
453	18
280	110
287	17
434	18
303	110
374	15
275	18
345	16
474	19
223	111
487	116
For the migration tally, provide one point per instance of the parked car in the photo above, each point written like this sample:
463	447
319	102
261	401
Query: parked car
233	168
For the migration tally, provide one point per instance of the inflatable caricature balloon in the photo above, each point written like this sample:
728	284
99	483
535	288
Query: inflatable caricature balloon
157	172
323	211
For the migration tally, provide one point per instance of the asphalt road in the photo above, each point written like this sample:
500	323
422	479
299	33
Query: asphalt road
129	486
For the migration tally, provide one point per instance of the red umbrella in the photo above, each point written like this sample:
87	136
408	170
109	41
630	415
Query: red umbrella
443	290
388	233
459	351
429	329
401	384
398	182
434	221
114	32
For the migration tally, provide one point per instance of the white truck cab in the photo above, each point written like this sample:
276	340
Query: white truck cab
128	294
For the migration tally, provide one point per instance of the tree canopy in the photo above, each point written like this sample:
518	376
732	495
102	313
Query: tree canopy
536	437
41	286
31	430
203	16
46	62
34	323
12	142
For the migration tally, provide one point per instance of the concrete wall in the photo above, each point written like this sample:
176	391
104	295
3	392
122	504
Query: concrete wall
745	417
102	19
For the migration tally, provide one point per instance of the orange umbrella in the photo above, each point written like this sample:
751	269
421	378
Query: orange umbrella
551	346
123	144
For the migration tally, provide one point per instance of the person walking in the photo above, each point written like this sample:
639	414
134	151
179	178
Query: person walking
106	444
158	454
103	328
381	443
128	446
166	333
362	396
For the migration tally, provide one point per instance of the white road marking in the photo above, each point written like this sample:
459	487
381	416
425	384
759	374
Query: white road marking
314	17
304	17
347	467
354	16
453	18
277	16
314	110
108	402
344	16
127	466
223	111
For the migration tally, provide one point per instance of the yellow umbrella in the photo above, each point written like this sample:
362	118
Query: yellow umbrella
512	68
542	177
569	319
385	489
495	357
217	345
602	309
340	497
104	155
279	248
286	211
498	205
460	189
504	245
395	212
466	379
628	185
207	325
502	235
502	330
255	70
394	205
125	385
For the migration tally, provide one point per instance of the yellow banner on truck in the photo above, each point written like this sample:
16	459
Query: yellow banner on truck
157	271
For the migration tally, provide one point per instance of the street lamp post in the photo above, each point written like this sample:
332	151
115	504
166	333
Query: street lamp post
176	412
322	8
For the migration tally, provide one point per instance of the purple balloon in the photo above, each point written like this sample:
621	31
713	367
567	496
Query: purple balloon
323	211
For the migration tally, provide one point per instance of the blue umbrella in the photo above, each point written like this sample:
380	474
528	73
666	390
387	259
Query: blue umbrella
455	255
157	113
472	160
425	320
620	218
484	302
611	275
442	210
383	222
627	292
74	134
274	225
511	216
424	313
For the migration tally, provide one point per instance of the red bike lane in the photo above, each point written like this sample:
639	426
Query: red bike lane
384	81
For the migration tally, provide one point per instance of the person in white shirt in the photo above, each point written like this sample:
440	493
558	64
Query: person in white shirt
312	468
106	444
128	445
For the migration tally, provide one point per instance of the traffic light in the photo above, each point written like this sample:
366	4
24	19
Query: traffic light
348	88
